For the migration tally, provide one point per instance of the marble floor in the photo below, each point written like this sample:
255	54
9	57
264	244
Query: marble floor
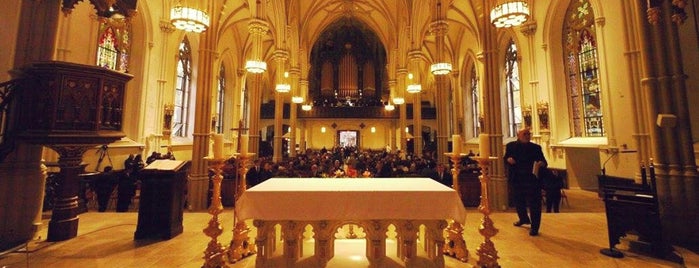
571	238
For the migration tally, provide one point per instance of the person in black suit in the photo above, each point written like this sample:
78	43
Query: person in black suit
552	185
521	158
443	176
252	177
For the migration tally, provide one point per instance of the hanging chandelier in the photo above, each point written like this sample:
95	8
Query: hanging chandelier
441	68
508	14
414	88
398	100
306	107
297	99
189	19
283	88
256	66
389	107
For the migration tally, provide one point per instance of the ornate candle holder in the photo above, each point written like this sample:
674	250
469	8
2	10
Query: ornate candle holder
487	255
240	246
455	245
214	253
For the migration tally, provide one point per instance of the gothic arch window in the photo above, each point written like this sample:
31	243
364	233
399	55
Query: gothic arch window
183	90
220	99
476	114
514	107
581	63
114	43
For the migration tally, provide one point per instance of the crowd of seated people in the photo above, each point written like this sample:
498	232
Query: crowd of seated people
349	162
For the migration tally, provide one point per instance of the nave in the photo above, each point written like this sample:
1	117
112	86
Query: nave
571	238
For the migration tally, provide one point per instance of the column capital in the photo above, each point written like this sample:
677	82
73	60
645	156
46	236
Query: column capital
528	28
281	55
392	83
439	27
402	71
166	27
295	71
600	21
415	54
258	26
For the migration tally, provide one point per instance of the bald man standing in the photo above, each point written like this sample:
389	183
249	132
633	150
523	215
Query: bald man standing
520	158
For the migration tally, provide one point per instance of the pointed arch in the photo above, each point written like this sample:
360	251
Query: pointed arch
581	62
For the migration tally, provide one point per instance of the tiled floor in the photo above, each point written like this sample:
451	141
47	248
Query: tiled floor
571	238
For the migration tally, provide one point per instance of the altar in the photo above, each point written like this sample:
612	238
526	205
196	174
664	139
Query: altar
328	204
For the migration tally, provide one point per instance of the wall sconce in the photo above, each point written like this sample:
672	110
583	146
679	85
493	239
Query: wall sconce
527	115
373	129
542	109
322	129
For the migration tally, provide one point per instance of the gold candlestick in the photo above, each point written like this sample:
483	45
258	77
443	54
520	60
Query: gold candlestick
487	255
214	253
455	245
241	246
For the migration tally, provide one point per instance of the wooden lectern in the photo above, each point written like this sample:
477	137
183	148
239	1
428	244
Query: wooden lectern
161	206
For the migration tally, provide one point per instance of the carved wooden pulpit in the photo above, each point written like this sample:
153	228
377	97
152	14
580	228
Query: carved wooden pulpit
69	108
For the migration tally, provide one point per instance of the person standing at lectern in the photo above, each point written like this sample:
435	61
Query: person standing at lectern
522	159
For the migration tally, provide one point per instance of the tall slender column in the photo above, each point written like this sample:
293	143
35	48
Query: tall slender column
199	176
294	73
491	108
457	108
632	53
439	27
161	130
401	137
303	86
257	28
529	30
280	56
415	56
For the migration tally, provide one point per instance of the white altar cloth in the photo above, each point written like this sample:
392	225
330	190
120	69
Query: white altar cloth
308	199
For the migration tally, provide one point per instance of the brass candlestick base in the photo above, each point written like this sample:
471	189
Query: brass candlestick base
487	255
241	246
214	253
455	245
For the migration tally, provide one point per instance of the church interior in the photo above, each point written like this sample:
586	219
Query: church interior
95	88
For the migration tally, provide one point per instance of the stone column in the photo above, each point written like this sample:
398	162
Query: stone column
415	56
665	95
280	57
294	73
22	173
492	113
198	184
401	137
257	28
439	28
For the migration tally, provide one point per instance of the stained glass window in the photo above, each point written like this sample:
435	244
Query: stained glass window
514	107
474	103
220	97
180	118
581	62
114	43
